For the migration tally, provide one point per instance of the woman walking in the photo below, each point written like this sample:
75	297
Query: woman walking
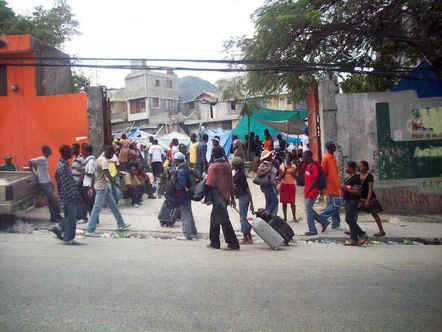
287	191
242	193
368	198
351	188
266	169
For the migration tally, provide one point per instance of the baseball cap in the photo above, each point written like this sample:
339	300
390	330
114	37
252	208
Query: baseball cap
179	156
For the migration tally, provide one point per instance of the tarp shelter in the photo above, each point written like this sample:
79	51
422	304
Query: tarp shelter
266	115
166	139
423	80
225	140
293	126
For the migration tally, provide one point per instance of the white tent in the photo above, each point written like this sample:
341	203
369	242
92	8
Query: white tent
166	139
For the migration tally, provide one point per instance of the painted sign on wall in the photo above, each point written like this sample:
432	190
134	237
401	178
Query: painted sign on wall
416	124
402	156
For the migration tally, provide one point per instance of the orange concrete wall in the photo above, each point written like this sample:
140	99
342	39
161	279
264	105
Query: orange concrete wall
27	122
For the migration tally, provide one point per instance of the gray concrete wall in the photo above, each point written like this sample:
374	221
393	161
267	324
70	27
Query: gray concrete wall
95	119
327	111
51	80
357	140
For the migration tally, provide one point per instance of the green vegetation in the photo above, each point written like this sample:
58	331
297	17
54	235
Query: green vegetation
383	34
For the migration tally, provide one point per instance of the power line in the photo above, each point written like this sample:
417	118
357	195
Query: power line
210	61
274	69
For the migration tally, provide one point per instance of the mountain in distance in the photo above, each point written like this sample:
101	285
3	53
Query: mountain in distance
192	86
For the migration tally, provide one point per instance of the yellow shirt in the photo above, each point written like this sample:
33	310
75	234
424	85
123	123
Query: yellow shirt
192	152
113	168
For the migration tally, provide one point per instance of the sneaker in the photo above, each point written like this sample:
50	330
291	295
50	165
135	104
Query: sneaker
82	221
136	205
324	227
91	234
124	227
211	247
311	233
56	232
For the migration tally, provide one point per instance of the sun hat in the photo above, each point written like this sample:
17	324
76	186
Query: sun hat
265	154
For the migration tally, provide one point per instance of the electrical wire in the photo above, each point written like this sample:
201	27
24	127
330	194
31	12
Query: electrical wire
210	61
274	69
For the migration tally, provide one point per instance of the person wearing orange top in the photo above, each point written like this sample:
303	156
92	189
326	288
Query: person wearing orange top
268	141
330	169
288	188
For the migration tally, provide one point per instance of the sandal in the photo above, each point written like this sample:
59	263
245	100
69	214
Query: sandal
351	243
380	234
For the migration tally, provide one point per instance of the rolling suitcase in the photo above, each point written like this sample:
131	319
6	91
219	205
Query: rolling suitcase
282	228
267	233
277	224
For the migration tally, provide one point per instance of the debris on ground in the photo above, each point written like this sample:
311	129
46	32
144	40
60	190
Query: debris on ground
21	227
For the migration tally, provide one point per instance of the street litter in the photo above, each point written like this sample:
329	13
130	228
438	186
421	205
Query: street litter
22	227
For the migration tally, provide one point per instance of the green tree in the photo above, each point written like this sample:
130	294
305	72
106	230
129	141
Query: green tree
51	26
382	34
80	82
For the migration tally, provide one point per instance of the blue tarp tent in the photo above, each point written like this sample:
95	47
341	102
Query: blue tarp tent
416	81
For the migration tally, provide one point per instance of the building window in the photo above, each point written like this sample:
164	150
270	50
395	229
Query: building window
192	105
289	101
233	106
157	83
155	102
281	103
3	81
137	106
169	84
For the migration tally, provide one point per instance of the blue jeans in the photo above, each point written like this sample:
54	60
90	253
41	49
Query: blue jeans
189	228
334	203
312	215
102	196
118	195
54	206
69	224
271	199
243	209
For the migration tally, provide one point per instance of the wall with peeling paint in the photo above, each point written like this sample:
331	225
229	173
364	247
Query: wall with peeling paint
407	168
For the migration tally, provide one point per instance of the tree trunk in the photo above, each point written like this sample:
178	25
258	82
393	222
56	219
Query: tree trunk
248	137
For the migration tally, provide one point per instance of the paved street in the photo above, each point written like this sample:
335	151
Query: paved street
168	285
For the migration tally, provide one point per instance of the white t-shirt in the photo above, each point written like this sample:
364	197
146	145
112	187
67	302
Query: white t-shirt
305	142
42	169
89	168
157	153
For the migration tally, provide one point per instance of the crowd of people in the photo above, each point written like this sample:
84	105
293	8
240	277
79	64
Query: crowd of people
90	183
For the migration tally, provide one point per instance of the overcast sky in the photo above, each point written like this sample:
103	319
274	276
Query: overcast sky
153	29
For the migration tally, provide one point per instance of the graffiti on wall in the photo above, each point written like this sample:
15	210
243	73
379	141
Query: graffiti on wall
411	158
397	199
425	123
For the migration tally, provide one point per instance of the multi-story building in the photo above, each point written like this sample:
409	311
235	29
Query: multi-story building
152	97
